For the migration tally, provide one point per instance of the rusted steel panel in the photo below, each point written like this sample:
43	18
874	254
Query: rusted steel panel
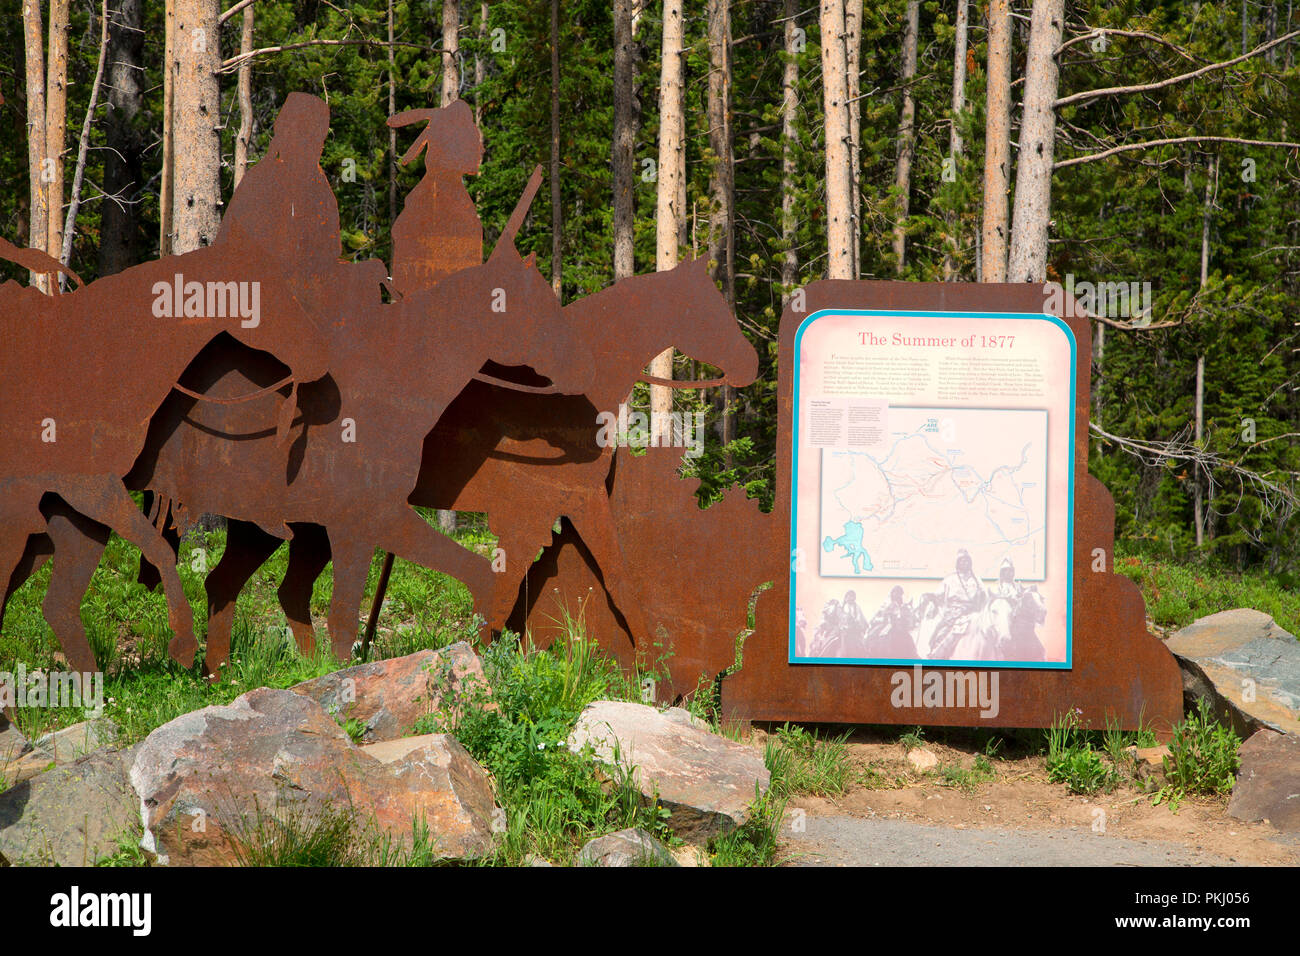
697	569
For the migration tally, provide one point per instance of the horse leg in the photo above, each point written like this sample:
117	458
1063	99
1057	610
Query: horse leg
37	551
148	574
309	552
408	536
594	522
352	556
78	544
247	548
20	517
107	501
519	543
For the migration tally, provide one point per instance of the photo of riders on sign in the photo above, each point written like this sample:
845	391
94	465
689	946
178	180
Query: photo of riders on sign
932	514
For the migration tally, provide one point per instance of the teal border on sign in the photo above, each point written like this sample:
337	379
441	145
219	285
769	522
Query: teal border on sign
1068	663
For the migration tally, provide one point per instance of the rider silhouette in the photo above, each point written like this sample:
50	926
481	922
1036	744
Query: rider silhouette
1008	587
438	231
962	595
285	203
889	633
854	623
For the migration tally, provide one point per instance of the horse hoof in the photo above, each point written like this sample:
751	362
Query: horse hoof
183	652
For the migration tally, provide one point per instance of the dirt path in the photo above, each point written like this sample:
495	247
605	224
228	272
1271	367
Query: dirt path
897	816
844	840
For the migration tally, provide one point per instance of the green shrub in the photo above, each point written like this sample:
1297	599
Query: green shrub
1202	758
801	763
1071	759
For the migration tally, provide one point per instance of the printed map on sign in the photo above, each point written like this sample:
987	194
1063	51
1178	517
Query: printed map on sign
943	480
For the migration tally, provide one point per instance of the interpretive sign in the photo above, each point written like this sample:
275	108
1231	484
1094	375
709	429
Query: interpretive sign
933	482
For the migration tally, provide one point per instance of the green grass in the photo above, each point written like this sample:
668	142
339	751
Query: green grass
755	842
517	726
328	836
1202	758
127	626
1177	594
801	762
968	779
1073	760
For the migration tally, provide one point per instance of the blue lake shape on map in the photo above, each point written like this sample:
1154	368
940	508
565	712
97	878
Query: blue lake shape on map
851	542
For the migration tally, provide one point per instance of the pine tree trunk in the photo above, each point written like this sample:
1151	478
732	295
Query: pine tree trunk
557	220
245	133
722	175
450	51
670	214
906	136
789	107
997	145
196	209
39	188
952	241
56	122
167	187
1031	218
623	153
1198	473
480	64
839	170
392	133
852	61
449	521
119	240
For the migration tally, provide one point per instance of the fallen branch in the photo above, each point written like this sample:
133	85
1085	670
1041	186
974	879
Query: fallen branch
70	223
1106	31
235	9
233	63
1161	84
1129	147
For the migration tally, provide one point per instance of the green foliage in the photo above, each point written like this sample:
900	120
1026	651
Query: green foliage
1202	758
1072	760
969	778
913	739
800	762
1177	594
755	842
517	726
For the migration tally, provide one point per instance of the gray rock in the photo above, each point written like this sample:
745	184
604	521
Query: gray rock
72	743
1234	656
216	782
706	781
1268	781
12	743
626	848
921	760
29	765
389	696
71	815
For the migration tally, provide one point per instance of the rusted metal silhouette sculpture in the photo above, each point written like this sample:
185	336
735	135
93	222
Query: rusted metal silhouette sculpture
438	230
525	458
472	390
84	372
711	566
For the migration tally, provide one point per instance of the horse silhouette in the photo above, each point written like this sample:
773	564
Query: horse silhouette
1003	629
528	459
82	375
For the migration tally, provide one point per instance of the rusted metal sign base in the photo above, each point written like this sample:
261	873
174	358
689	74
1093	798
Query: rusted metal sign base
701	570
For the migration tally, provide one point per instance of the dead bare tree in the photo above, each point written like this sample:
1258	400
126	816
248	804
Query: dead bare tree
997	145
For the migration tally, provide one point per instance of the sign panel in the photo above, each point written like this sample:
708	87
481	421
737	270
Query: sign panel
933	489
